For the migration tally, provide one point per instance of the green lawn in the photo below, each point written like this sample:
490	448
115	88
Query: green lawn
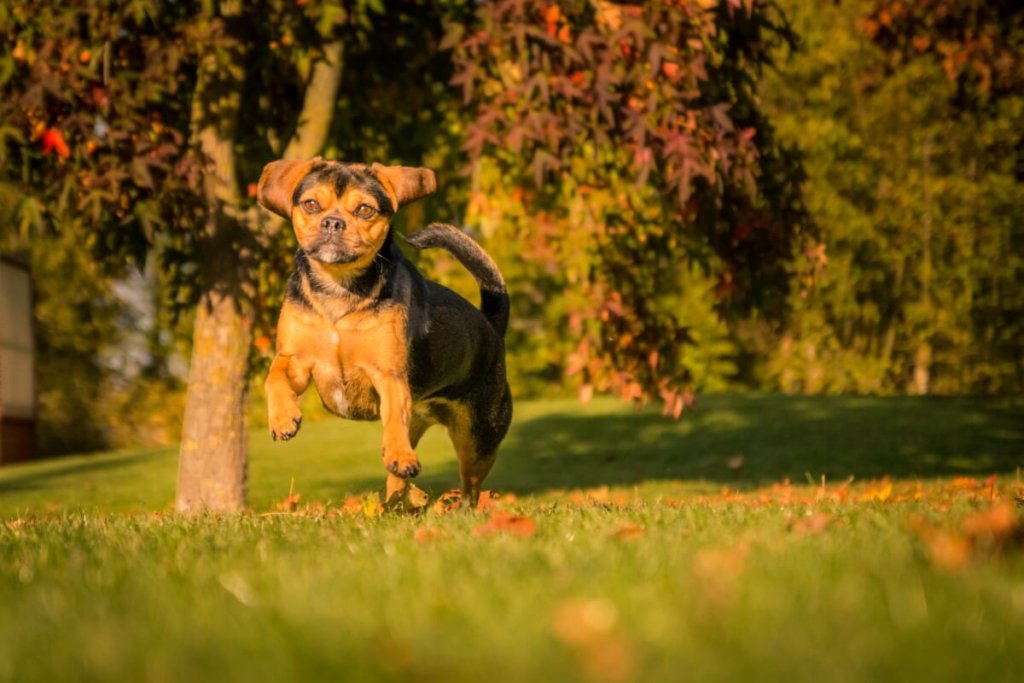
684	568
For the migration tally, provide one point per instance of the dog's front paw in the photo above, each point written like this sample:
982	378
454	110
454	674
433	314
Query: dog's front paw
285	419
401	463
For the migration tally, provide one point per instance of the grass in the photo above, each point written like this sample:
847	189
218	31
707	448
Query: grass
661	551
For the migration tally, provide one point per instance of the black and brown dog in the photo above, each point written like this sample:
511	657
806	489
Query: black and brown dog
377	338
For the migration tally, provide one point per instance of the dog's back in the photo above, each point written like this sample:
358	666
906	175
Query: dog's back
494	301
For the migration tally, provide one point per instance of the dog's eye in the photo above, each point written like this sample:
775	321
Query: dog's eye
311	206
365	211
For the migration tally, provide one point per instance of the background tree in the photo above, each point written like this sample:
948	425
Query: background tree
917	197
620	146
124	122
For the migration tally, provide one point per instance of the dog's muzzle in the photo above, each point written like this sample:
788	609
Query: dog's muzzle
331	224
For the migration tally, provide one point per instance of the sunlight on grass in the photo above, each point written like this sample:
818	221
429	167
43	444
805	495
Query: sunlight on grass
758	538
558	445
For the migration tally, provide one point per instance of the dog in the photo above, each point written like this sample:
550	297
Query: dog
379	340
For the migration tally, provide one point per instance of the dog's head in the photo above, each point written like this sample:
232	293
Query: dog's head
341	212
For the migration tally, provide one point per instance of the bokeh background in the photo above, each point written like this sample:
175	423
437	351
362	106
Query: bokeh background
685	197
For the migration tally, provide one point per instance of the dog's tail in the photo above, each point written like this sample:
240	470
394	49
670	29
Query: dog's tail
494	303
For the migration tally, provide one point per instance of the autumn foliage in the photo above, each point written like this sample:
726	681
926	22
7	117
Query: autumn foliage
618	143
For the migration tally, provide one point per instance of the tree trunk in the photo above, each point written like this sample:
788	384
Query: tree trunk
923	356
213	464
318	105
212	467
922	369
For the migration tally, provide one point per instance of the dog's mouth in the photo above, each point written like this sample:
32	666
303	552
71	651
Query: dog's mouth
334	250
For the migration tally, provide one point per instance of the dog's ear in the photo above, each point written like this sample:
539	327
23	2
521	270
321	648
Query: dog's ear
405	184
278	181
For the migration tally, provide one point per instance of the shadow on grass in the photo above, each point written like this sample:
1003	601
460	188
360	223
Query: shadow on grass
28	476
776	436
561	445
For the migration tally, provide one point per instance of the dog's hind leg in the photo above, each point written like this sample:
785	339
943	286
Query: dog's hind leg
476	440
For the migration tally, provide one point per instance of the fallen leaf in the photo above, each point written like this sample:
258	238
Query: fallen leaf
417	497
578	621
996	524
505	522
717	570
601	495
812	524
880	492
289	503
411	498
372	506
628	531
446	502
352	505
426	534
589	627
487	501
964	484
946	549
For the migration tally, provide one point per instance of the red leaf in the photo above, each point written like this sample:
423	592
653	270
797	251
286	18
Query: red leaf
53	140
505	522
486	501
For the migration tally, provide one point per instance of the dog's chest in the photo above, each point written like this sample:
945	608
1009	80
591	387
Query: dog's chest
346	391
358	348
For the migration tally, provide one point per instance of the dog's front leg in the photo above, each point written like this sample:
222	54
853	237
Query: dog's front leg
285	383
395	413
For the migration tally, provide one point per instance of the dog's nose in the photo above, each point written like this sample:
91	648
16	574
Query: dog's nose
332	224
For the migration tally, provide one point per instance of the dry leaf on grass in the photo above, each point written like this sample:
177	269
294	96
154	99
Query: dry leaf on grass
590	628
601	495
372	506
426	534
880	492
717	570
992	530
964	484
995	525
289	503
409	499
946	548
447	502
487	501
815	523
506	522
627	531
352	505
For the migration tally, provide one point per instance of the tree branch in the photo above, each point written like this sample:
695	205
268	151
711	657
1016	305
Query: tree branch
318	105
314	120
